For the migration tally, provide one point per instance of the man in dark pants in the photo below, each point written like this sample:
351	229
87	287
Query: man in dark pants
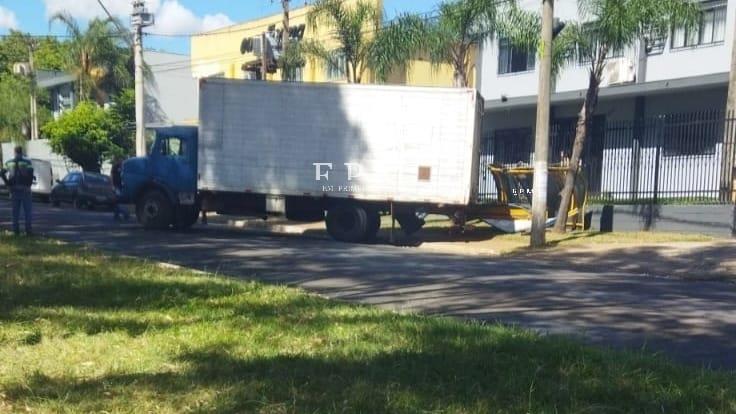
18	177
117	182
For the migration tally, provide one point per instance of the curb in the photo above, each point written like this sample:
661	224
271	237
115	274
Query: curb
264	228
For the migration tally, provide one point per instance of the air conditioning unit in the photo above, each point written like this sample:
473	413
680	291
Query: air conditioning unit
22	69
618	71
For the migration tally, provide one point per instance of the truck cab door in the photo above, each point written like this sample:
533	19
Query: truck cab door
175	162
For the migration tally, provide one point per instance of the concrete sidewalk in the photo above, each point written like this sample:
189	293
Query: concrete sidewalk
706	260
270	226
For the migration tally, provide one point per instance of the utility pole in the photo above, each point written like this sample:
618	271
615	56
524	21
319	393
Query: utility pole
140	19
264	56
34	97
285	37
541	141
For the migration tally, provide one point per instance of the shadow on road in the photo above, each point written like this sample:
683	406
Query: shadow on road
606	298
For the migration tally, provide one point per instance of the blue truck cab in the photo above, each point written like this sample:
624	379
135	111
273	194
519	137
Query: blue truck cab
163	185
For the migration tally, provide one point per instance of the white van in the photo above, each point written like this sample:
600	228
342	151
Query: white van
44	178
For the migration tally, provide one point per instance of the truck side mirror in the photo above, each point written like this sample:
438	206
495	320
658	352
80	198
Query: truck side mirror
557	28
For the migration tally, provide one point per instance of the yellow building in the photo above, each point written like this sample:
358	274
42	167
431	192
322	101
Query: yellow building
231	52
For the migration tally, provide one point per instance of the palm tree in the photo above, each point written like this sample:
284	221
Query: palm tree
607	26
352	28
448	38
98	57
292	54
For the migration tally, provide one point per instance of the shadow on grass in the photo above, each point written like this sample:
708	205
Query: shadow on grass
98	288
446	368
314	355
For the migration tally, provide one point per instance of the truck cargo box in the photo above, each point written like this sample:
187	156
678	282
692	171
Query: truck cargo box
368	142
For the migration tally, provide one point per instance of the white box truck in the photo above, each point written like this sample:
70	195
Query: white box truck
342	153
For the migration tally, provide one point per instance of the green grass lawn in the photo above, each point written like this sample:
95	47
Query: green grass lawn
84	332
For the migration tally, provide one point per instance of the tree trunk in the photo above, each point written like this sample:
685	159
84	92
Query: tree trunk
460	78
349	72
581	133
357	74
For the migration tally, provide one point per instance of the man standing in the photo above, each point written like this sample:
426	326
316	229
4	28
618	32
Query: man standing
117	182
18	177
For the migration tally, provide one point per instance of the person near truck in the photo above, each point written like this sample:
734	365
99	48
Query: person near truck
18	177
117	182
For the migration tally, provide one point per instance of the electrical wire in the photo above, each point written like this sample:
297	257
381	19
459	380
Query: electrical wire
121	30
52	36
228	30
230	57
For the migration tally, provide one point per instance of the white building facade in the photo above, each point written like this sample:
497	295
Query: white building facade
682	77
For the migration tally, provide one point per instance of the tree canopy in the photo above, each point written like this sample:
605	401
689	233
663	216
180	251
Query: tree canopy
447	38
15	111
49	52
353	28
86	135
99	56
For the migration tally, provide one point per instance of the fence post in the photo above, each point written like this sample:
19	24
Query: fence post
729	156
659	135
638	131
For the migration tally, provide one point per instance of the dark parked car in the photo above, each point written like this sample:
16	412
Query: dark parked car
83	189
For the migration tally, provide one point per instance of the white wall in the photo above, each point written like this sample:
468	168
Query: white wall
676	174
671	64
173	98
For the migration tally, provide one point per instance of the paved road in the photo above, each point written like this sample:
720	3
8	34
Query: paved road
691	321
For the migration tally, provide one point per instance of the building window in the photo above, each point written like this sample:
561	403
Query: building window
513	59
336	68
710	29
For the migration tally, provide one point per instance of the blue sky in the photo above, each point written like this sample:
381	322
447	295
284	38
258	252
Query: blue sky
173	16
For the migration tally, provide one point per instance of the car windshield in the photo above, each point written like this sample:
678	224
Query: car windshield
96	179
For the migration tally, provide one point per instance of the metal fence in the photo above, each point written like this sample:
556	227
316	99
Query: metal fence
673	158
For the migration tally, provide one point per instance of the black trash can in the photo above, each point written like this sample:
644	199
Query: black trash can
607	219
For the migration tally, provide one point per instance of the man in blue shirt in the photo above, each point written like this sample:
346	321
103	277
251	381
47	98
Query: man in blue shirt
18	177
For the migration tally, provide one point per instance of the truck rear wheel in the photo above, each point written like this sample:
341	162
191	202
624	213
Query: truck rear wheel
347	223
373	224
154	210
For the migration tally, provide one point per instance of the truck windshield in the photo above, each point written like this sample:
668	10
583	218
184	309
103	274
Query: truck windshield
173	147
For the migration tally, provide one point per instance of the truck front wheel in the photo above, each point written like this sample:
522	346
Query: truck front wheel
347	223
154	210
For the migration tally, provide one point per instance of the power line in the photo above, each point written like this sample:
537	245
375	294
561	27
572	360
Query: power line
124	34
122	31
51	36
236	57
426	15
